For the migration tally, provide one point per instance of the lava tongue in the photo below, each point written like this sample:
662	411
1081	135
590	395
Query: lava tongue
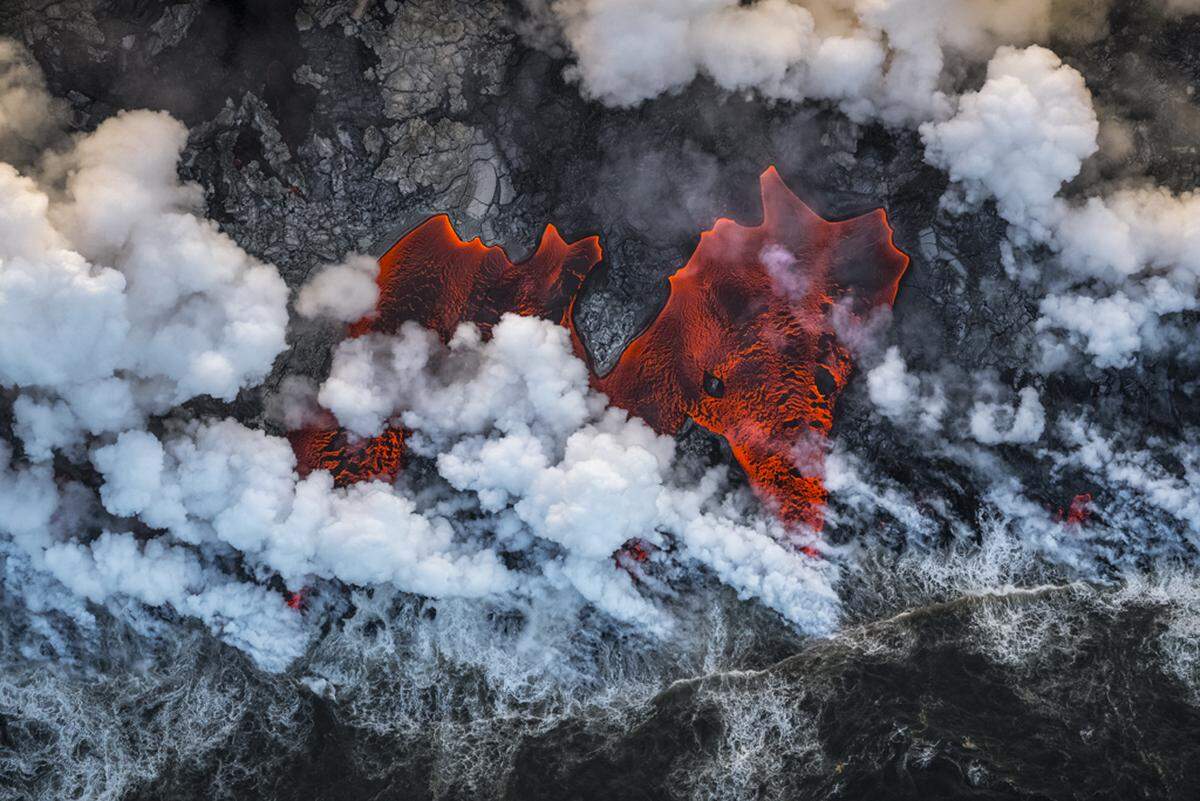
745	345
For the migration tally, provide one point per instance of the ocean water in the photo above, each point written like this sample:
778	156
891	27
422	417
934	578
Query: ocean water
951	676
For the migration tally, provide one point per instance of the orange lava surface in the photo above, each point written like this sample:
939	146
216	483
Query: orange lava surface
434	278
349	460
745	345
1078	512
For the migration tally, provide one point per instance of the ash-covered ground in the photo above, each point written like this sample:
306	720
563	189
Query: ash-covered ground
969	632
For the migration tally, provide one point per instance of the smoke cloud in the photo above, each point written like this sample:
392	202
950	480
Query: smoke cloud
344	292
119	302
1017	140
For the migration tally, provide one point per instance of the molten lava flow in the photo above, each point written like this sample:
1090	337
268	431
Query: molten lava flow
1078	512
746	347
636	549
434	278
348	459
295	600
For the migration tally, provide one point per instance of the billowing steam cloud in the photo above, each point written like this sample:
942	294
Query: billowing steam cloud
540	465
1019	138
899	395
1026	132
1131	255
513	422
876	58
118	303
344	292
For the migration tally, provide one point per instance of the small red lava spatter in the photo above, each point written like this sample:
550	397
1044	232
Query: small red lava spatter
1078	512
632	555
636	549
295	600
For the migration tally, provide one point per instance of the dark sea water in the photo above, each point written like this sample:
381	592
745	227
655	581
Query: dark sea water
1058	692
976	675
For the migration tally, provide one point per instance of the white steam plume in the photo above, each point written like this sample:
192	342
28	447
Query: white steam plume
898	394
994	423
1018	139
514	422
876	58
539	466
116	300
1129	258
344	292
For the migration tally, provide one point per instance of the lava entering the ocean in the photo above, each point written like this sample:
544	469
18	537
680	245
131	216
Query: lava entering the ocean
434	278
745	345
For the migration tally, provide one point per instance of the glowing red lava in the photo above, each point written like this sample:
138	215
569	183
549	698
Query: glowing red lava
295	600
745	346
348	459
636	549
1078	512
434	278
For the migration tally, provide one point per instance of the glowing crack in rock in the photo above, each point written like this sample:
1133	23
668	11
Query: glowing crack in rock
745	345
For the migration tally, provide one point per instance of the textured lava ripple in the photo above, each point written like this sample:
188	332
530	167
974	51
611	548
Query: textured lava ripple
750	353
744	349
349	460
434	278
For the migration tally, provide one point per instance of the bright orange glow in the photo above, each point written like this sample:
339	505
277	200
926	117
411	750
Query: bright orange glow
434	278
749	351
295	600
745	345
348	459
1078	512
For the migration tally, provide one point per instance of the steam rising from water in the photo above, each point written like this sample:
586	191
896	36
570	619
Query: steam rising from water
534	483
483	583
